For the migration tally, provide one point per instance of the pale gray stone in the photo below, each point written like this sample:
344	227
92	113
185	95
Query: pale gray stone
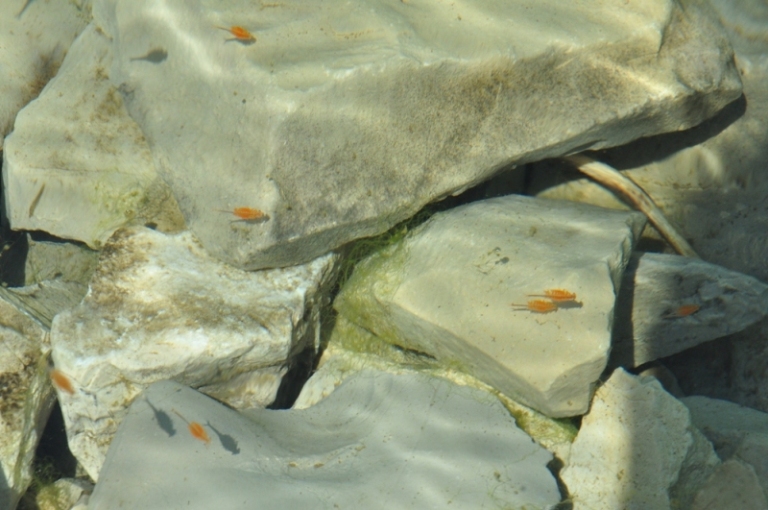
652	320
340	120
449	288
44	300
737	432
630	448
34	37
26	398
76	165
159	307
338	364
50	260
379	441
734	486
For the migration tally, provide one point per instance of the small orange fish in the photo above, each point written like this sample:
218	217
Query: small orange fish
61	381
537	306
240	34
683	311
247	214
557	295
197	430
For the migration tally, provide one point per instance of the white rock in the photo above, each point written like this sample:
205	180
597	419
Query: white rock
158	308
76	165
379	441
342	119
650	320
734	486
338	364
737	432
630	448
34	37
26	399
447	290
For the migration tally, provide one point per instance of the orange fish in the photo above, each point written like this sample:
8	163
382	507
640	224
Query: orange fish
247	214
61	381
557	295
537	306
683	311
197	430
240	34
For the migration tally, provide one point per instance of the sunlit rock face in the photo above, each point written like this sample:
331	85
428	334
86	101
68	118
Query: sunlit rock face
338	120
469	288
159	307
379	441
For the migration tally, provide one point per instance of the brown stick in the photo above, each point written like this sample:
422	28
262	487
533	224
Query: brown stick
616	181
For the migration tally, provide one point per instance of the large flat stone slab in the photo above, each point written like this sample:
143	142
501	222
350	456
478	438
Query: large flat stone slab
76	165
159	307
379	441
668	304
339	120
450	287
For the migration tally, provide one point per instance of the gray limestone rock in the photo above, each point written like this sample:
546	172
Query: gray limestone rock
159	307
34	37
339	120
379	441
669	303
737	432
26	398
452	288
631	447
76	165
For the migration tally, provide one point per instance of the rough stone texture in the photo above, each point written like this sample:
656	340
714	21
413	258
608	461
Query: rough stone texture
712	182
734	486
649	323
447	290
158	308
737	432
338	364
630	448
34	37
26	399
67	262
44	300
76	165
342	119
379	441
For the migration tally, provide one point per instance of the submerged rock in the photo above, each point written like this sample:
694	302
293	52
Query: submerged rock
159	307
634	445
452	288
378	441
668	304
340	120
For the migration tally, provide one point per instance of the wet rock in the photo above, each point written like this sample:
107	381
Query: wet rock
737	432
159	307
632	448
76	165
26	398
34	37
378	441
668	304
450	290
733	486
340	121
